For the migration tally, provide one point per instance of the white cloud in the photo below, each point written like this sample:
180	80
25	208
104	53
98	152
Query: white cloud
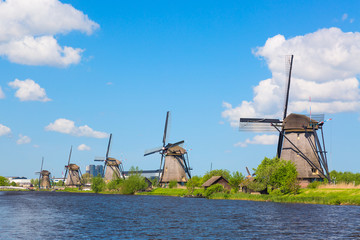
27	30
2	94
259	139
23	139
325	68
66	126
4	130
83	147
28	90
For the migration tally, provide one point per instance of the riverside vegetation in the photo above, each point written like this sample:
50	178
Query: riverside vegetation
274	177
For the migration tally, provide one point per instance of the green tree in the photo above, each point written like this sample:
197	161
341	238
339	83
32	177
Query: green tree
235	179
193	183
98	184
4	181
115	184
276	174
59	183
134	183
35	182
13	184
219	172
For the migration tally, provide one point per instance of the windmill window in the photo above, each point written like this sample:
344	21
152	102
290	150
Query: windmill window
298	136
314	171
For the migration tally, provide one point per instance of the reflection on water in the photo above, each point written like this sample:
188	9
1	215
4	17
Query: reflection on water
51	215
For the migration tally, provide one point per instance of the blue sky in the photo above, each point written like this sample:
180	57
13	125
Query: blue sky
117	67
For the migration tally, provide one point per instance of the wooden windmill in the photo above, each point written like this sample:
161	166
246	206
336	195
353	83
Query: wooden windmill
298	141
113	168
72	177
44	177
174	163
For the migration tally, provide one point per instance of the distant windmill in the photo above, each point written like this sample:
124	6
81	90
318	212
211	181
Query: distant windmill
72	177
44	177
298	139
176	164
113	168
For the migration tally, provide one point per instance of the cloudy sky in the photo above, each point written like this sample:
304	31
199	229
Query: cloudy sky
72	72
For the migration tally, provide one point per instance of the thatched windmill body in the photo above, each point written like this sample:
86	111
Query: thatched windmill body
44	177
113	168
298	139
174	163
72	177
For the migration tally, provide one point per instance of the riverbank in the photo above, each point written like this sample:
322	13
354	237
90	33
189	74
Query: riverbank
335	196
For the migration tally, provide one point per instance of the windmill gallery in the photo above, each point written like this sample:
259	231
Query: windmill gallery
301	141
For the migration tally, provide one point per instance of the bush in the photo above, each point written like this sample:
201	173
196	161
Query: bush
13	184
98	184
4	181
216	188
235	179
192	183
134	183
274	174
314	184
173	184
115	185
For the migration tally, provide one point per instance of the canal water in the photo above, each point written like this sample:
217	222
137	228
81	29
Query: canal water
53	215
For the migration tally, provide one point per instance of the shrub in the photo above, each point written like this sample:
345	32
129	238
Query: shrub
134	183
13	184
314	185
173	184
115	185
4	181
192	183
98	184
274	174
216	188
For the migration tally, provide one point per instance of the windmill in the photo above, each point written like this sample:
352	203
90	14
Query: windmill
298	140
72	177
174	163
44	177
112	167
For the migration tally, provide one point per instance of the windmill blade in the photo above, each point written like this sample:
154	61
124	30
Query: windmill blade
175	144
152	151
166	128
248	171
108	148
42	162
67	167
281	134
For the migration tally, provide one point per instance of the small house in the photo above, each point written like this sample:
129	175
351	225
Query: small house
217	180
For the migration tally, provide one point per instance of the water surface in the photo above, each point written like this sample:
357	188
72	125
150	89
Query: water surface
54	215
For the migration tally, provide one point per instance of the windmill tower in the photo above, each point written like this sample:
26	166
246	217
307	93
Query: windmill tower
113	168
298	139
174	163
44	177
72	177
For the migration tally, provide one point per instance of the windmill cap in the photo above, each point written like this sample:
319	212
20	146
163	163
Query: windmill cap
73	167
299	122
45	173
112	162
176	150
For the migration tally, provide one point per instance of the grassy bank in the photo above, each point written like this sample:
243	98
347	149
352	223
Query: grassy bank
334	196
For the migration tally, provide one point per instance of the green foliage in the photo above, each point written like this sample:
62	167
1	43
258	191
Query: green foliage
135	170
86	178
235	179
133	183
314	184
115	184
13	184
216	188
219	172
345	177
35	182
98	184
173	184
59	183
4	181
154	182
274	174
193	183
